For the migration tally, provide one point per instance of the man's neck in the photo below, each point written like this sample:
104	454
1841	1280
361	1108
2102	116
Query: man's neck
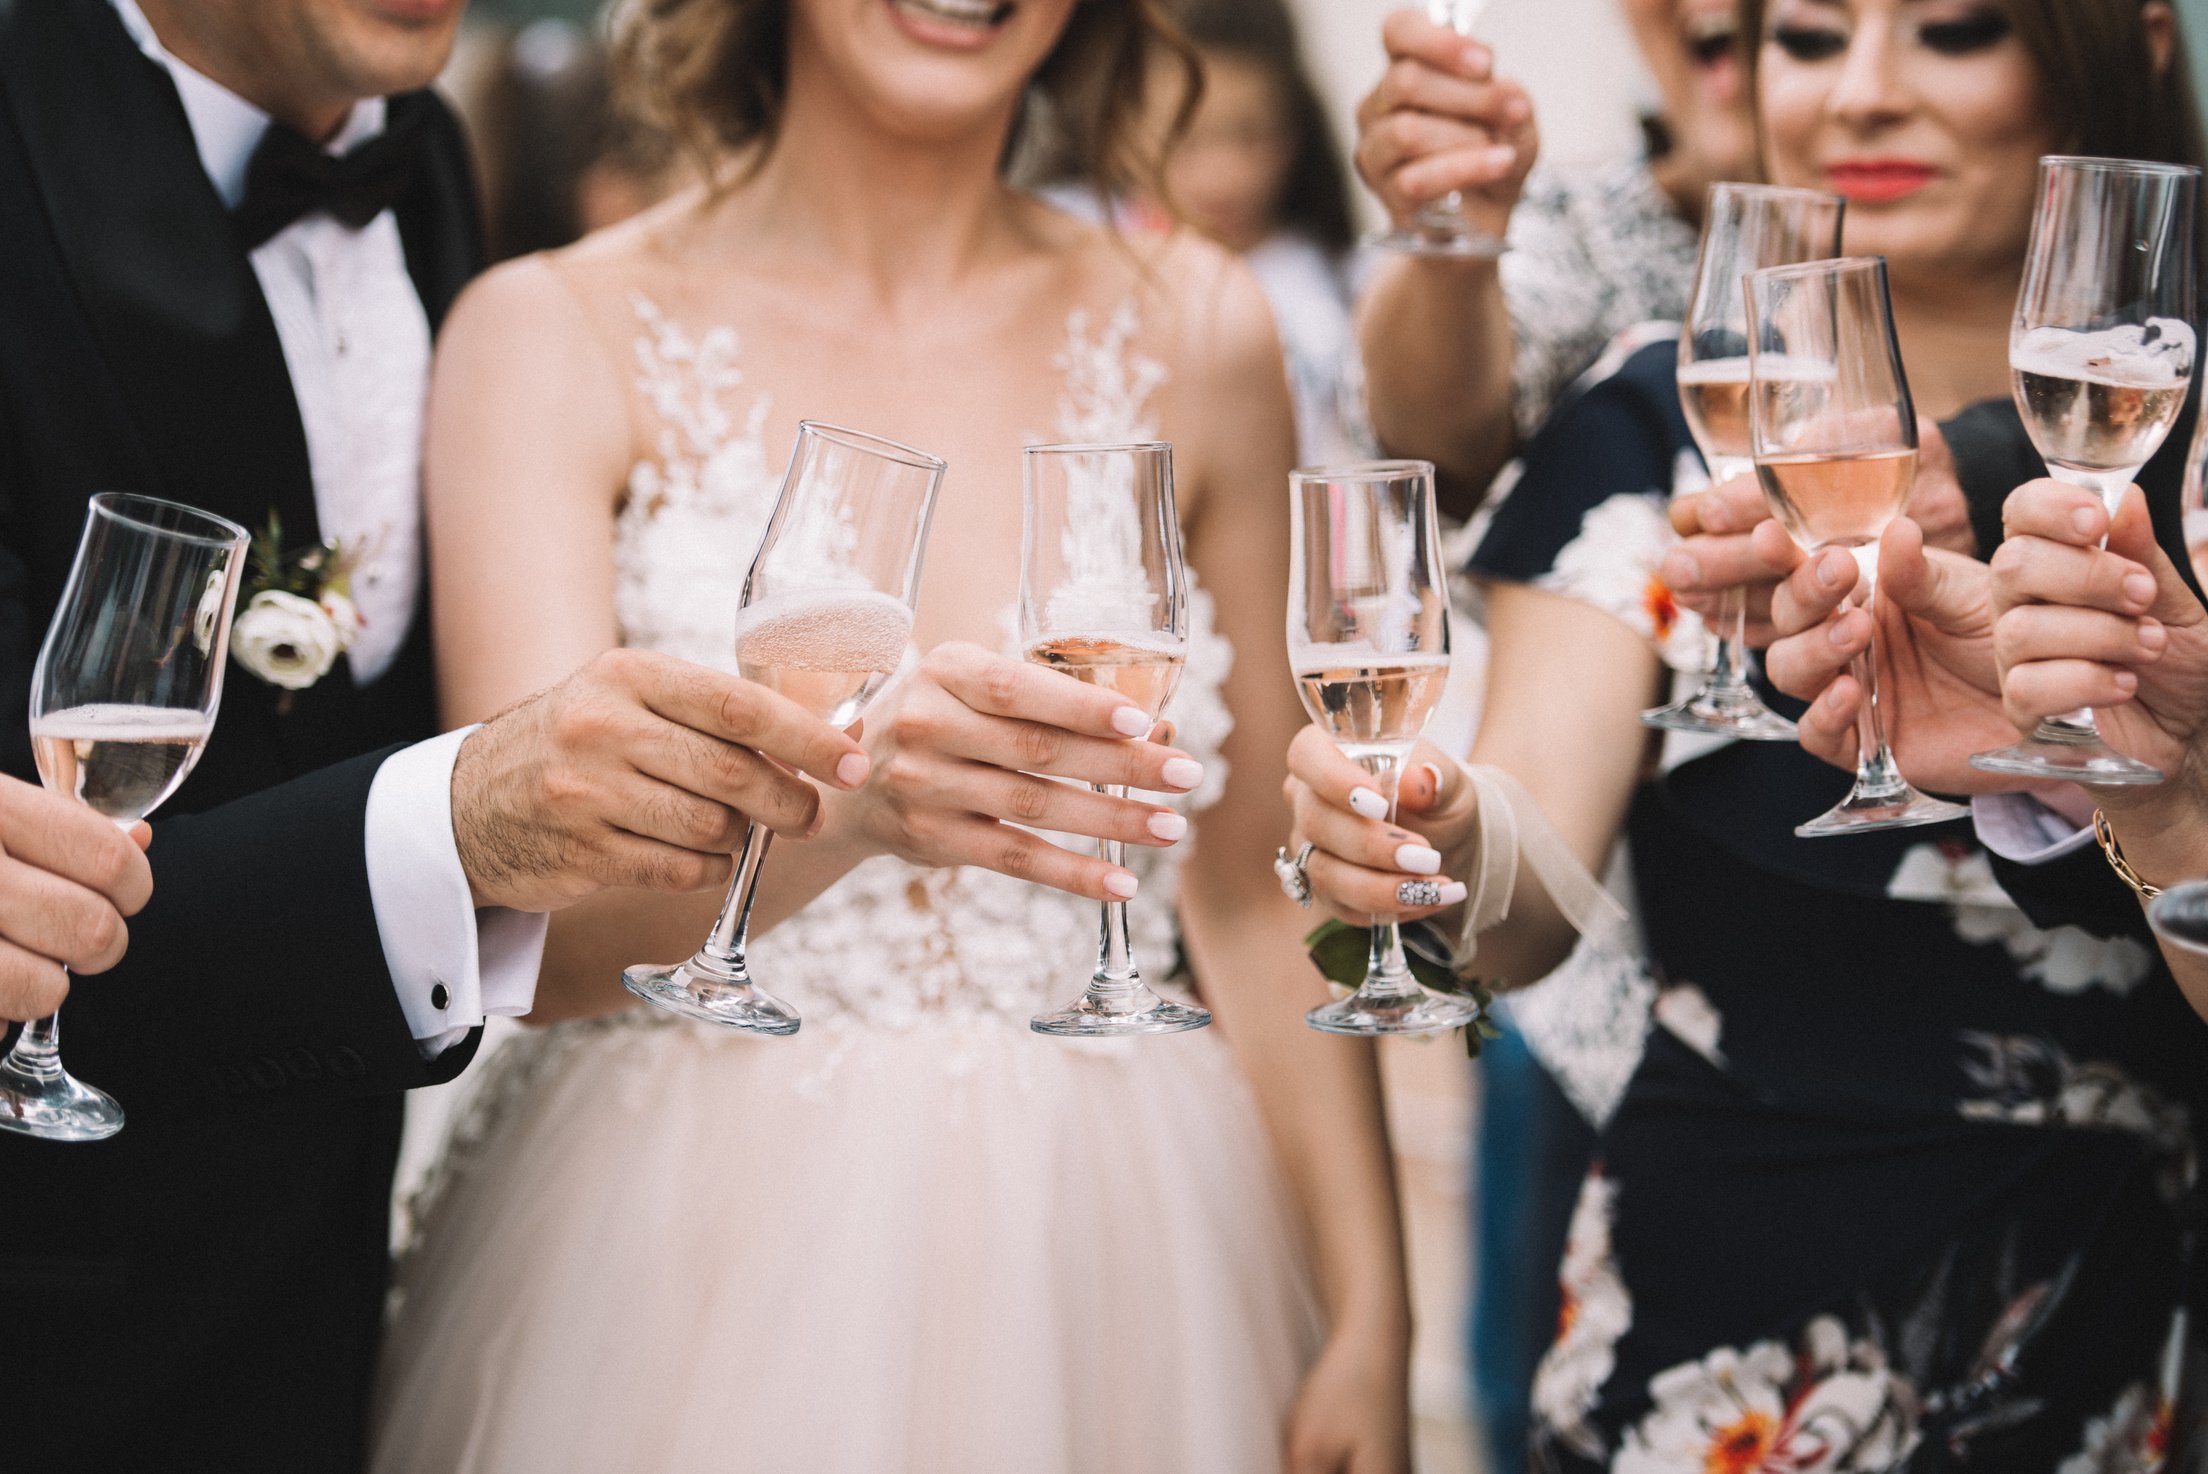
211	41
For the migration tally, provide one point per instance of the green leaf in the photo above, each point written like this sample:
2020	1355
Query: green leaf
1340	952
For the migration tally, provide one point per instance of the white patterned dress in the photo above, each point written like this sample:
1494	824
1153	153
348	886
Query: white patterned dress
913	1237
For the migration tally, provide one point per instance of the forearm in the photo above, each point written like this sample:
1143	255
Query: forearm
1318	1095
1438	351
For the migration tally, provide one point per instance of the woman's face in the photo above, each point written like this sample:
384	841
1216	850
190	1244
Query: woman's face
1689	48
1925	114
933	70
1227	171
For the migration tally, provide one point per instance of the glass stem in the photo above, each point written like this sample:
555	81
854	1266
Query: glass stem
1875	769
1387	970
724	950
37	1051
1117	979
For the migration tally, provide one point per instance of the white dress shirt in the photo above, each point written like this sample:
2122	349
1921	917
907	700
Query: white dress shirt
356	344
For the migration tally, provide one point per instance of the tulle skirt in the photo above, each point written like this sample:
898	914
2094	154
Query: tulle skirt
947	1247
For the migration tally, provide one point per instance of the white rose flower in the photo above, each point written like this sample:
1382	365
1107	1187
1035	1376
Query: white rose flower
344	615
286	640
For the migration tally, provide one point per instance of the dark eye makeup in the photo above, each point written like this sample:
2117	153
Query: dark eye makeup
1809	43
1966	34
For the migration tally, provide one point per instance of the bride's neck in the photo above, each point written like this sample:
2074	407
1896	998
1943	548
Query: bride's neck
907	216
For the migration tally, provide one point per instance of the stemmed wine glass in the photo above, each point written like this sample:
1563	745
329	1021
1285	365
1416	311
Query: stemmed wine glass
1368	640
2100	357
122	702
826	619
1104	599
1834	435
1439	228
1745	227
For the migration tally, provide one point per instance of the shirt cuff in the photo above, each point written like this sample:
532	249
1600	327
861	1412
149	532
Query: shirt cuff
2019	828
451	964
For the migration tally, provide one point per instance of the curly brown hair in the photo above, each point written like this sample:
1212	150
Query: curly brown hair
714	74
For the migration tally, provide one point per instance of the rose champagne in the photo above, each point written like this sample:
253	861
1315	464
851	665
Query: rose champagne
121	761
1372	705
1840	500
827	650
1140	667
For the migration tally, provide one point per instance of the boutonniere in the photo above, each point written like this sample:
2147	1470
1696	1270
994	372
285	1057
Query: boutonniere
299	614
1339	951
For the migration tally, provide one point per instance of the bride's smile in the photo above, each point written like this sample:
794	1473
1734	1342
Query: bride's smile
955	23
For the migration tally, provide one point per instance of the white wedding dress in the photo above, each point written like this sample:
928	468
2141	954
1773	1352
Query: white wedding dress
913	1237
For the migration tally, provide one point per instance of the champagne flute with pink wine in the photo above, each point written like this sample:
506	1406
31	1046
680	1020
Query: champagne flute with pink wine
1834	434
1439	228
826	619
1745	227
1104	599
2100	357
1368	641
122	703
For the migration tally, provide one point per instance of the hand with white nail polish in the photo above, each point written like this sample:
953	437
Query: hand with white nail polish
974	750
1363	864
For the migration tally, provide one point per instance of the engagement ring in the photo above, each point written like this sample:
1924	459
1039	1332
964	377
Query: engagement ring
1295	879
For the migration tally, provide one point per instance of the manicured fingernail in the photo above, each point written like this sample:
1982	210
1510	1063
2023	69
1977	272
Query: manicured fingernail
2152	636
1474	55
1418	859
1501	156
2126	682
1433	777
1680	570
852	770
1368	804
1829	568
1453	893
1129	721
1831	698
1840	632
1120	886
2139	587
1168	826
1183	773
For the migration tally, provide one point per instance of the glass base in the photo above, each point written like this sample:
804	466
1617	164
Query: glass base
1423	1012
2075	761
1460	244
1104	1016
1901	808
698	990
55	1106
1723	711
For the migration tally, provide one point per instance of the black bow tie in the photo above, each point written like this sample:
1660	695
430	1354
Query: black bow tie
289	176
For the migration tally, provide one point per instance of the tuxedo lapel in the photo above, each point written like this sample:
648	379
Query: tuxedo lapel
171	298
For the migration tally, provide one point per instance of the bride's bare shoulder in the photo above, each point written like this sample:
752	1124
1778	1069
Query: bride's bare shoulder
1205	312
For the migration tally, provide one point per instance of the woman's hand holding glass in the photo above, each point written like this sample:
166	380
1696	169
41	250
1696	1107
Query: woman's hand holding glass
974	749
1360	862
1439	123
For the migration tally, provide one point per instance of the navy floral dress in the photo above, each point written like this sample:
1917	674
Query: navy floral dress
1903	1180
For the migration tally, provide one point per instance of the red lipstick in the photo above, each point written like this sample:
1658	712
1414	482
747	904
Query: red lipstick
1877	181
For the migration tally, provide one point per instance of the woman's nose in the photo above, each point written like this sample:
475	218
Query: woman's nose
1872	90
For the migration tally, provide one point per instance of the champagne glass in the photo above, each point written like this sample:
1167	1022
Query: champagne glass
1834	436
122	702
2100	357
1368	641
1745	227
825	620
1104	598
2179	916
1439	228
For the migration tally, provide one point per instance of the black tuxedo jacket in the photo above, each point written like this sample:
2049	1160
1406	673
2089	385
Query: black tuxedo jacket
204	1290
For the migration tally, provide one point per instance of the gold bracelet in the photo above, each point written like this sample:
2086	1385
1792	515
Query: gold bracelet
2116	860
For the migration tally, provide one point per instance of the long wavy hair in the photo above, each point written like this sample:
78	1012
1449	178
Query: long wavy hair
714	74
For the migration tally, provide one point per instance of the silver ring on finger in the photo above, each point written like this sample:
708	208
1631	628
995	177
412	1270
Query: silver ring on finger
1295	874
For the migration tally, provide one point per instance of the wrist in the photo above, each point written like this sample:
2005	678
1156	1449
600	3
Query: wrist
2163	844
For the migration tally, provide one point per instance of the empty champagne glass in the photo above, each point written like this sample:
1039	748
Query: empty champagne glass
2100	357
1439	228
1368	641
1834	435
1104	599
826	619
122	702
1745	227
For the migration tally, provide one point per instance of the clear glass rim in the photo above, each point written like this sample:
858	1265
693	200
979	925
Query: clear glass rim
872	444
1353	471
2184	893
1830	266
147	513
1774	192
1099	447
2093	164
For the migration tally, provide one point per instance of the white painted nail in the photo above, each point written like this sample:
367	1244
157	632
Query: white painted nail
1120	886
1434	773
1129	721
1183	773
1168	826
1368	803
1453	893
1417	859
